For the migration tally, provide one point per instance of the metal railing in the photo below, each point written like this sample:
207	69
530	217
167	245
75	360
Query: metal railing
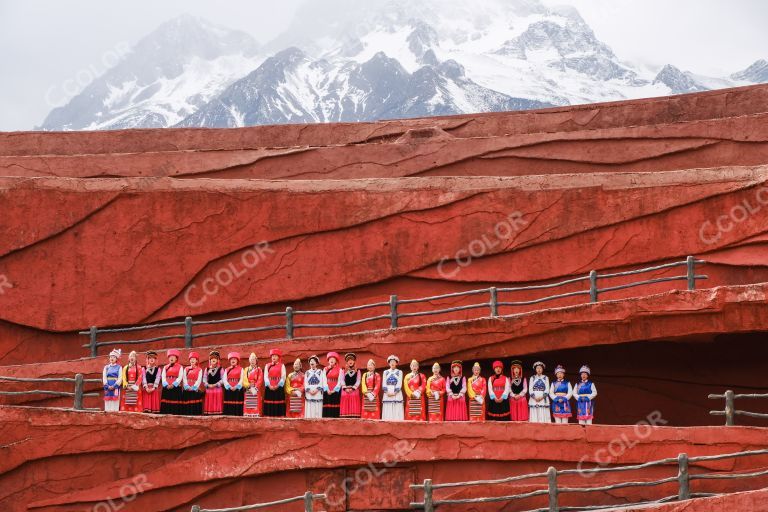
553	490
78	393
308	498
289	326
731	412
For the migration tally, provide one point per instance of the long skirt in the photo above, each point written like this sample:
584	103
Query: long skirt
130	400
151	400
392	410
251	407
476	410
561	407
538	412
274	403
233	402
193	402
112	404
414	409
294	406
456	409
213	404
435	408
586	409
518	409
371	409
313	408
331	405
170	401
350	404
498	411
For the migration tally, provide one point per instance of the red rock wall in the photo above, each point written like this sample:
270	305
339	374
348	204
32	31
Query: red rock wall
171	463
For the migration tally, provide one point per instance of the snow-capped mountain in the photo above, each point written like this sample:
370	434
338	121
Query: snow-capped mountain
168	75
347	60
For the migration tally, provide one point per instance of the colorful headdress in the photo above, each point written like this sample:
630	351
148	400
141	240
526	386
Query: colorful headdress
476	365
371	361
315	358
214	354
334	355
559	368
393	357
235	355
516	364
195	355
151	353
253	357
454	364
498	364
275	352
116	352
585	369
436	366
539	363
350	355
413	361
173	352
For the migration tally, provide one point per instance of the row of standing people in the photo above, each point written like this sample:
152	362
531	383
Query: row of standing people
335	391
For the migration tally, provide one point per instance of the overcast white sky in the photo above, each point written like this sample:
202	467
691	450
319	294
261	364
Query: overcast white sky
45	42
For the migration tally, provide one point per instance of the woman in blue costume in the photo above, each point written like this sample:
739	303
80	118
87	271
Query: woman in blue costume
585	397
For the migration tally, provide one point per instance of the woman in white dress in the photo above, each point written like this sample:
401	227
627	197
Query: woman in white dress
392	384
538	391
313	389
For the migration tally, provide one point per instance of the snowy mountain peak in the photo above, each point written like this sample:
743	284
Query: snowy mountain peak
757	72
677	81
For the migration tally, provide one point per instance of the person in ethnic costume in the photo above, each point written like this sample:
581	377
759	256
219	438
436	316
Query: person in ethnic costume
274	385
392	384
435	392
538	393
477	388
193	386
371	389
561	392
350	391
518	399
332	382
456	402
415	384
294	391
234	386
213	381
498	394
254	388
112	379
313	389
585	394
133	375
151	384
172	376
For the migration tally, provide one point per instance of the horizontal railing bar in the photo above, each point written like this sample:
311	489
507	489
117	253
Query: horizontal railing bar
445	310
615	507
482	482
641	283
341	310
345	324
747	453
137	327
717	413
44	392
716	476
544	299
618	486
45	379
262	505
542	286
493	499
749	395
647	269
237	331
237	319
444	296
750	414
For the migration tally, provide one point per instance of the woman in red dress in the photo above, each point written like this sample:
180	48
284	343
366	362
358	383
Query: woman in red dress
518	399
294	391
371	391
193	387
150	393
435	394
456	407
254	385
350	390
332	381
415	385
274	385
213	381
130	398
477	388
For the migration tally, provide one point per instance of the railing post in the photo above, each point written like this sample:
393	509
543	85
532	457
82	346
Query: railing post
494	302
188	332
393	311
308	505
552	484
683	482
729	408
195	508
428	506
289	323
93	342
593	286
78	406
690	263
